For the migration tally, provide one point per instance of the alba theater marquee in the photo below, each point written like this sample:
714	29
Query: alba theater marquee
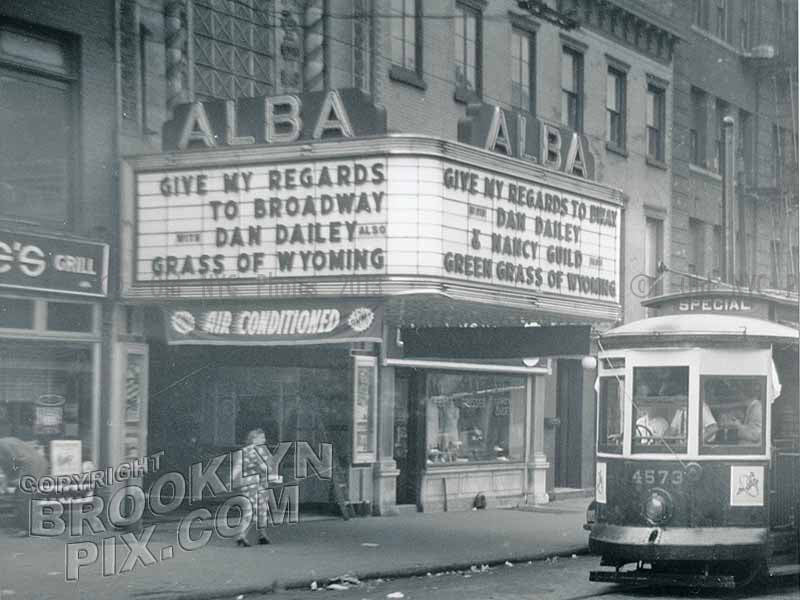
333	262
370	216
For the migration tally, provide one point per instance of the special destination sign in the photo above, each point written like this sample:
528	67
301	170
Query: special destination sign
371	217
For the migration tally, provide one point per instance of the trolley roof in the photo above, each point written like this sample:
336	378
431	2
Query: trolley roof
718	327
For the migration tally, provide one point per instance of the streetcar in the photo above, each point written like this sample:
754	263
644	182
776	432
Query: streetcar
698	451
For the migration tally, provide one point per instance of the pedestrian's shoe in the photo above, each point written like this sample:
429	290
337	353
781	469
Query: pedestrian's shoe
242	542
263	540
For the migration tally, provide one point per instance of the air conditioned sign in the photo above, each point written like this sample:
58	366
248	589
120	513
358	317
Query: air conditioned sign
36	262
272	323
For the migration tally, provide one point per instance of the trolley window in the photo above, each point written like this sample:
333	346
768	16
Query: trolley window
610	426
735	424
660	403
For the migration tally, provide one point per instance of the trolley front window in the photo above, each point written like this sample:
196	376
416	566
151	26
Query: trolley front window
660	406
610	426
736	404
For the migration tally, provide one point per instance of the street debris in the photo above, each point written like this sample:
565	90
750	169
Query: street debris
396	595
314	585
240	597
337	587
345	579
574	556
370	545
509	564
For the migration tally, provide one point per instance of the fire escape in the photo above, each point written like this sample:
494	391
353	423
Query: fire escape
774	62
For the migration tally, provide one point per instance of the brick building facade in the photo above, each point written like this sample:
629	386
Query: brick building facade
57	185
739	60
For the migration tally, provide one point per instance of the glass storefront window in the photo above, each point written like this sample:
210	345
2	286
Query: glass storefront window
736	412
660	402
609	438
46	394
474	418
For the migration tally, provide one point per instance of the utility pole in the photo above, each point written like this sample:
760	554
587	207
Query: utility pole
729	205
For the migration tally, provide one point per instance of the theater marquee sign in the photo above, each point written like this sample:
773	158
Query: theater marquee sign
393	209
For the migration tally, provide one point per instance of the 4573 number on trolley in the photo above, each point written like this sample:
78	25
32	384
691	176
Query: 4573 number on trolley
657	476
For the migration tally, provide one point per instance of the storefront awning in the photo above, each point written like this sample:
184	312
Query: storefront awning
495	342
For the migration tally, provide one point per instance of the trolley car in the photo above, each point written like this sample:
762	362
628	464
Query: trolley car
698	451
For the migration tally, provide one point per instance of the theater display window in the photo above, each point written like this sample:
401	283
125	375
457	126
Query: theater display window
474	418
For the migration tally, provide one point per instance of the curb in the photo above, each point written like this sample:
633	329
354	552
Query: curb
402	573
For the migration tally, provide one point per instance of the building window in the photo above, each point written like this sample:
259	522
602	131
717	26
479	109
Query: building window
468	51
721	19
406	29
775	264
46	393
778	158
744	25
233	44
655	116
696	247
523	70
572	88
721	110
699	13
615	108
16	313
361	45
37	128
718	253
474	418
744	145
697	131
653	252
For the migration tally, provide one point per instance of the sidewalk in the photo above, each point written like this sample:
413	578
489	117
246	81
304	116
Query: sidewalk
315	550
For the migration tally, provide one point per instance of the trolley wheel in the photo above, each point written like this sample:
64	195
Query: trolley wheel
755	574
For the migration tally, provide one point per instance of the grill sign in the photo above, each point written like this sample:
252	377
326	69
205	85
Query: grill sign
42	263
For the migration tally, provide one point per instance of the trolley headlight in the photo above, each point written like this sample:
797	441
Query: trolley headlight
658	507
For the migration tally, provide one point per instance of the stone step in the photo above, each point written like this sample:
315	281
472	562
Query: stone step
407	509
570	493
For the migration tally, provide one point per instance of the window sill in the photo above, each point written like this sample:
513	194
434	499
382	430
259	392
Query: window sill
705	172
717	40
613	148
654	162
512	463
407	76
466	96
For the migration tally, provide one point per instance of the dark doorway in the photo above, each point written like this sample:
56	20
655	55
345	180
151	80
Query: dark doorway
408	434
569	401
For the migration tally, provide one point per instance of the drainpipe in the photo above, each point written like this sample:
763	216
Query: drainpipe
729	212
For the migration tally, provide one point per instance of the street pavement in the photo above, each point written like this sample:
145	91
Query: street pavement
301	553
560	579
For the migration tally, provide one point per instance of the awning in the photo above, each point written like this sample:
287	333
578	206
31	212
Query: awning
495	342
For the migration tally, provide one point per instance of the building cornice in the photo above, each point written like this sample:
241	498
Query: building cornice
631	23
